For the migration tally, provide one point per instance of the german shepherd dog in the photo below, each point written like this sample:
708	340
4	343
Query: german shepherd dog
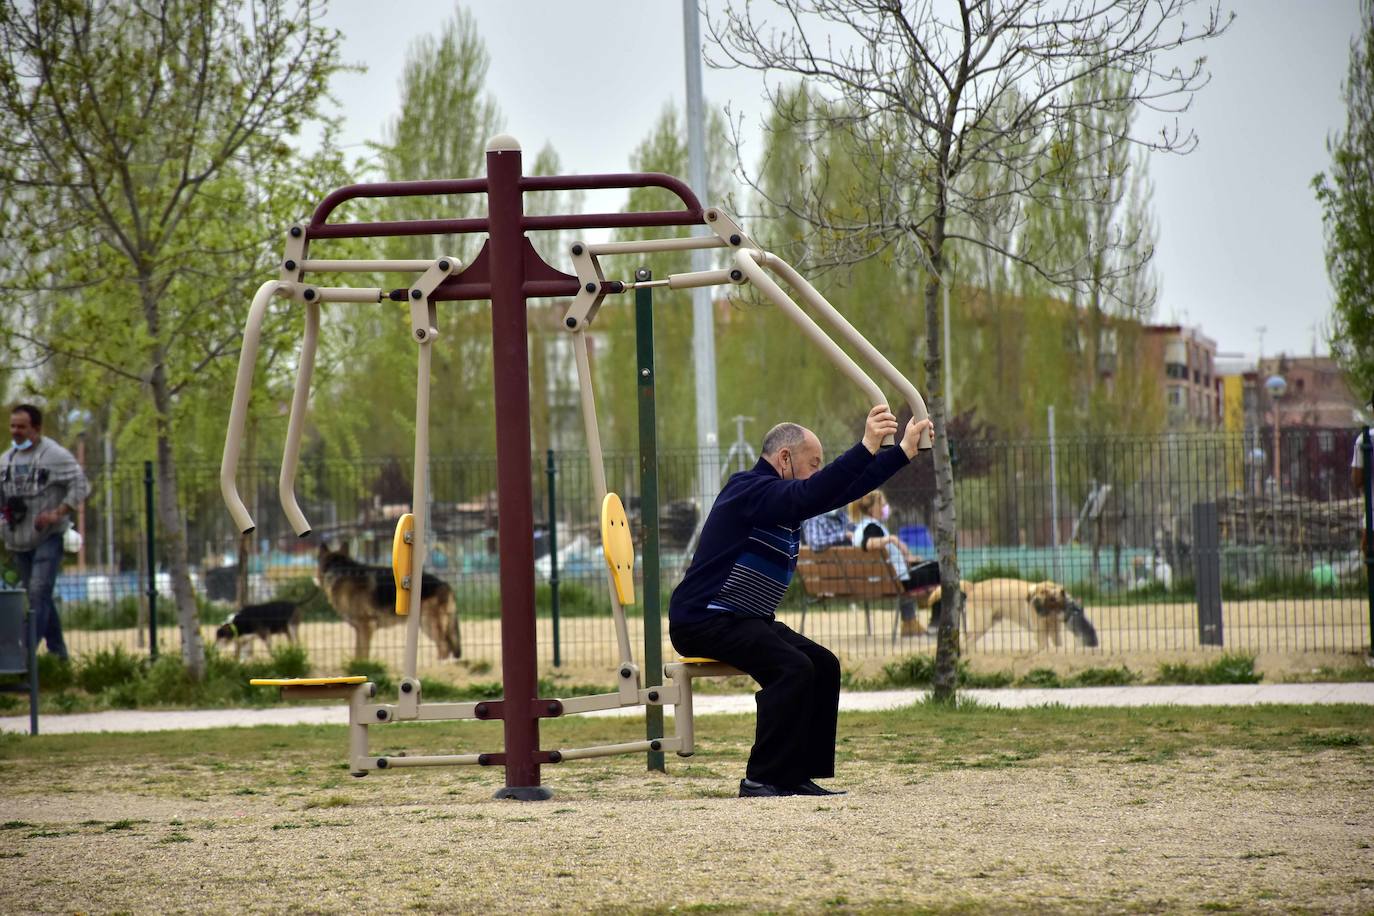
1044	608
365	597
275	618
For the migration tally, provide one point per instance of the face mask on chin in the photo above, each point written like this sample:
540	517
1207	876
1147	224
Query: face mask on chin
23	444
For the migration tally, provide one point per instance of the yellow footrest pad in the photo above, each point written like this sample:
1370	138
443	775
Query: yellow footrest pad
306	681
698	661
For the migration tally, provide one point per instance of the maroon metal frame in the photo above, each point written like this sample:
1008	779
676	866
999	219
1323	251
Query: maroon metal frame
509	271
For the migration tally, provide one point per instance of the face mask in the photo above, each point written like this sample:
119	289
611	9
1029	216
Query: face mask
885	512
24	444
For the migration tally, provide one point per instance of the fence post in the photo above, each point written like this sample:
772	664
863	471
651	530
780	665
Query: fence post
1054	498
1367	453
151	529
648	508
552	471
1207	573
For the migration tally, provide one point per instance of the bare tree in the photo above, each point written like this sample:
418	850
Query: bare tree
923	96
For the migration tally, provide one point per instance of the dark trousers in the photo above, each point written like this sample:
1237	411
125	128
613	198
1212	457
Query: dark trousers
794	735
38	569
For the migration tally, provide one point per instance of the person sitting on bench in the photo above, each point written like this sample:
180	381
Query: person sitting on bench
918	577
725	606
829	529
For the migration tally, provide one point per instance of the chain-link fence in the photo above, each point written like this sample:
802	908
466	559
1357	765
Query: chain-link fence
1172	542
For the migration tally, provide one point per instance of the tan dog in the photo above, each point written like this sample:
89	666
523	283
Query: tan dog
1044	608
365	597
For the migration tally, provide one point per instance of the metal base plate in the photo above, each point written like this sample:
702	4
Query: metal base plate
525	793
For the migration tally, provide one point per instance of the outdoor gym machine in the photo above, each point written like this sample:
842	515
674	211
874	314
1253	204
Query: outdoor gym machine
508	271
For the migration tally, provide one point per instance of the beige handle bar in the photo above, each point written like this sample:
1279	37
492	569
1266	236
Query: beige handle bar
752	261
598	469
419	499
286	483
238	412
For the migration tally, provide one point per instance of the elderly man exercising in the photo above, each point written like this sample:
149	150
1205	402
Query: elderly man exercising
725	607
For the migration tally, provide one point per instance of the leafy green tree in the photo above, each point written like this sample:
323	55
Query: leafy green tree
612	343
146	143
440	130
1347	198
922	94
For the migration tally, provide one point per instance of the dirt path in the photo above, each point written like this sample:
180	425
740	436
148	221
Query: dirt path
1250	830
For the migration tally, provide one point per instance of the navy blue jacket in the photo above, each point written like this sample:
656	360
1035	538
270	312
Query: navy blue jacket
748	547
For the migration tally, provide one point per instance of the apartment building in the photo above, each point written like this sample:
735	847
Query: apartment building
1185	361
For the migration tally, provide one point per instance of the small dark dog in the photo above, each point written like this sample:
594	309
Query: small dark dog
275	618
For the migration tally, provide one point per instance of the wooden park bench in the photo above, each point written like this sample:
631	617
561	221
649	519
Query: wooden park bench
849	574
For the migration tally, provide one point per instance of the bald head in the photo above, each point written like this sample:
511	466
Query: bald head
793	451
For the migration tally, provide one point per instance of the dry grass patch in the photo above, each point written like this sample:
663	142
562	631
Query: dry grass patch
1187	810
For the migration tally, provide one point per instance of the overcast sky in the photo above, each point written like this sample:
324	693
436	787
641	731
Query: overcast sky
1240	240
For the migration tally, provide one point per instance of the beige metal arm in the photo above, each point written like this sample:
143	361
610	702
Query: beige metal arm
423	331
238	411
752	263
597	463
286	483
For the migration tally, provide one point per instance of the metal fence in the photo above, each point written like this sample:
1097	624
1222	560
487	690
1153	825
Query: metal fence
1171	543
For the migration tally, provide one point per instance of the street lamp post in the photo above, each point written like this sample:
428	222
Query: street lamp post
80	421
1276	385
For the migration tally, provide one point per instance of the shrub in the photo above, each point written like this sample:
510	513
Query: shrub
989	680
914	670
919	671
1229	669
165	681
1040	677
54	674
1102	677
286	661
105	669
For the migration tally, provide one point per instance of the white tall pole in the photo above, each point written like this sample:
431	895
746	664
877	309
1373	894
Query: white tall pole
1054	499
703	318
109	510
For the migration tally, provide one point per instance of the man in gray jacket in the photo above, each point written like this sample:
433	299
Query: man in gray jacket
40	487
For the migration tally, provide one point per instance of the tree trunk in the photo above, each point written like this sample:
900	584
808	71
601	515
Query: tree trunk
946	680
173	534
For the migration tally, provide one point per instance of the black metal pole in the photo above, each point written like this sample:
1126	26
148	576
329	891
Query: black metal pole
1367	452
152	557
648	507
552	471
32	622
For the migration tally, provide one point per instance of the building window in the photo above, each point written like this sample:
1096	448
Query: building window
1176	370
1326	440
1175	396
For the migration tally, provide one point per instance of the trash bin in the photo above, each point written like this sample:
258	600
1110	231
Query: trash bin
18	654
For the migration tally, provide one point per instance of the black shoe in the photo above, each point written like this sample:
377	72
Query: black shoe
750	789
810	788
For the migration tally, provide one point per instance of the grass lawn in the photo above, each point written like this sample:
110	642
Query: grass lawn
969	810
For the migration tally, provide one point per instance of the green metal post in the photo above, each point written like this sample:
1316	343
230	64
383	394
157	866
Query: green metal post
1367	451
648	507
152	558
552	470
